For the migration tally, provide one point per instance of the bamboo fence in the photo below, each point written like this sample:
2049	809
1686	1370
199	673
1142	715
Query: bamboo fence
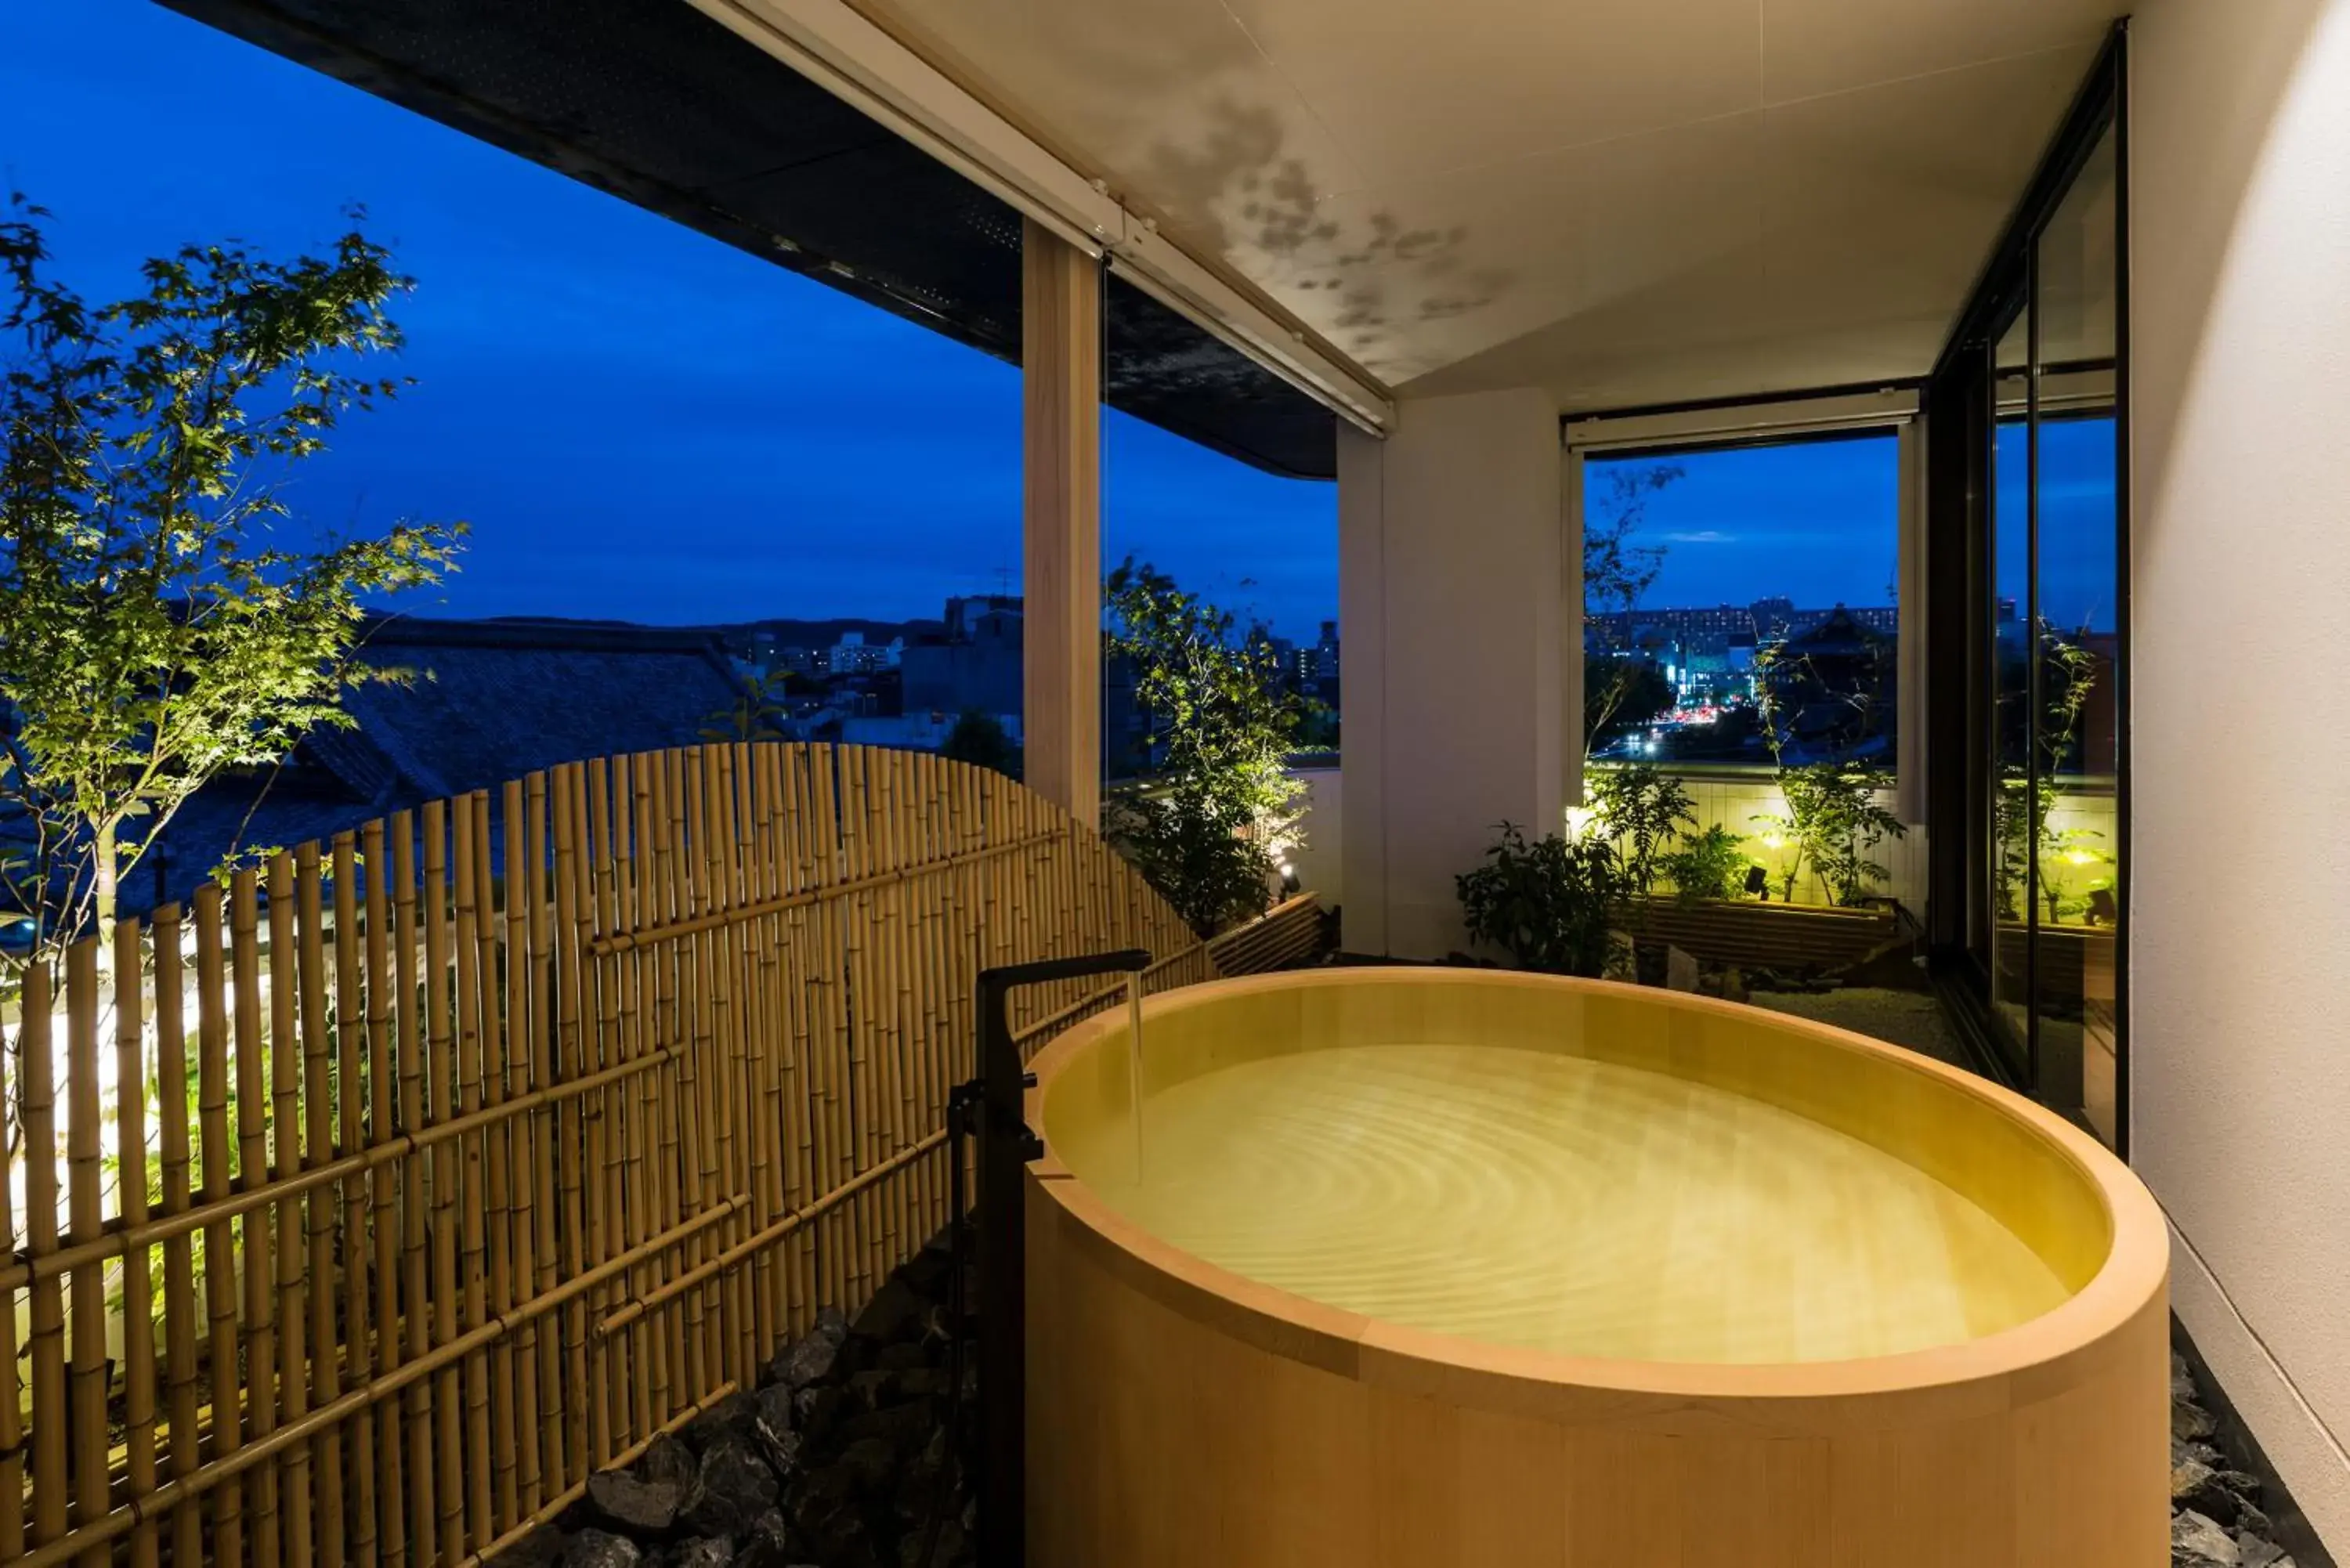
373	1202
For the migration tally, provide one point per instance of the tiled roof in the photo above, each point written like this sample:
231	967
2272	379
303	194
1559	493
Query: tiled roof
474	705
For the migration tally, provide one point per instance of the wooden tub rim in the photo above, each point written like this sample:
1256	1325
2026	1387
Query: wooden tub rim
1994	1371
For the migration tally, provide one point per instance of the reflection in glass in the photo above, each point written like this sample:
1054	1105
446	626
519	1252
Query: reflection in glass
2072	829
2008	538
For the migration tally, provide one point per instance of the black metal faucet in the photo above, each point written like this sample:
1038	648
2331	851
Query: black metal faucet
1007	1144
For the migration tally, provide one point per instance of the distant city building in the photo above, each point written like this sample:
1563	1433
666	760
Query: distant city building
487	702
975	666
911	691
965	613
852	655
1689	632
1326	653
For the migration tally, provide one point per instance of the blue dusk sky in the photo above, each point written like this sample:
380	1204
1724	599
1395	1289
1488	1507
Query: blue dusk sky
640	423
1815	521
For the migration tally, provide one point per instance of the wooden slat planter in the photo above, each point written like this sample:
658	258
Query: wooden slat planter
1765	936
1286	935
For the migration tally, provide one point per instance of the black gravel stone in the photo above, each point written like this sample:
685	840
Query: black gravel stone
595	1549
732	1488
641	1509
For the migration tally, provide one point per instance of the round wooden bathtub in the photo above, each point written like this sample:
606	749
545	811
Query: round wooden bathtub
1411	1268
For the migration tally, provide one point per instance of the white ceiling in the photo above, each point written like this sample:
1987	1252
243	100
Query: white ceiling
1625	201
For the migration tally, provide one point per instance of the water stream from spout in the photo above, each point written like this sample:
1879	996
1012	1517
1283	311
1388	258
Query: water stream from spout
1134	1065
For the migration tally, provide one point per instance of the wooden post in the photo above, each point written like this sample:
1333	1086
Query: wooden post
1061	353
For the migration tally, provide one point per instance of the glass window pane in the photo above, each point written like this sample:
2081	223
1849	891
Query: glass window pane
2074	833
2010	574
1740	603
1197	541
1741	627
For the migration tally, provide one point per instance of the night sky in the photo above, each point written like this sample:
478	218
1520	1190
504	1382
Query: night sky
640	423
637	421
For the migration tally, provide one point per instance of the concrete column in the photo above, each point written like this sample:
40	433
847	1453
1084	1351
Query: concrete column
1061	355
1449	585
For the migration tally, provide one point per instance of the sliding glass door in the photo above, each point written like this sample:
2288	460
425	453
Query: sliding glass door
2076	615
2008	569
2028	518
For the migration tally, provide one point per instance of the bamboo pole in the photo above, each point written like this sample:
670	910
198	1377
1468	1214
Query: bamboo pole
253	1168
886	809
932	954
846	1224
812	943
723	857
658	979
476	1456
599	1029
581	1399
733	1257
519	848
959	944
771	1282
383	1184
85	1172
48	1342
319	1202
553	1417
858	935
913	816
12	1395
797	872
354	1070
701	1134
718	843
936	794
647	1395
885	1005
709	1031
139	1403
763	1281
741	955
680	1188
498	1176
449	1479
219	1253
684	1115
424	1512
838	1147
285	1136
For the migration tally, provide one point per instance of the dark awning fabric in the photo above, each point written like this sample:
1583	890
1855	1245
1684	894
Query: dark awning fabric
659	104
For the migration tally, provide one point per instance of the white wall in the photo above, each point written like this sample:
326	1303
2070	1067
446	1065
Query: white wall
1449	588
2241	940
1321	859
